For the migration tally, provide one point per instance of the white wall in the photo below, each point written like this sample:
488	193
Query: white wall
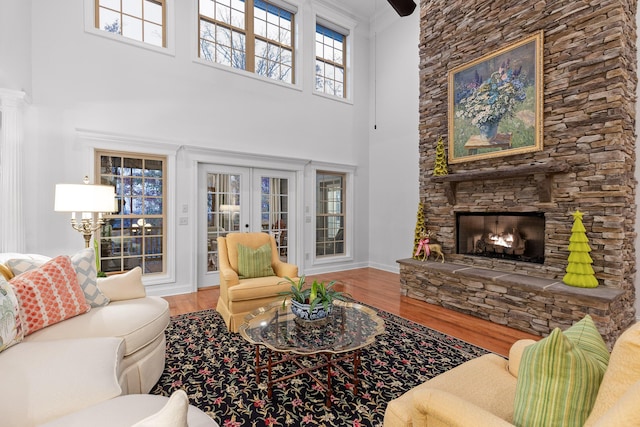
77	80
393	150
15	45
86	82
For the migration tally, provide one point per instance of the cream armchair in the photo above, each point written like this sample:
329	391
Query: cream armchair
240	296
481	392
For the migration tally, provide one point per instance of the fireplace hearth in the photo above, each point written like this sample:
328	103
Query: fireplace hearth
502	235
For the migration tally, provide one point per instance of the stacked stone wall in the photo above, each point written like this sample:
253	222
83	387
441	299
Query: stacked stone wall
527	303
589	73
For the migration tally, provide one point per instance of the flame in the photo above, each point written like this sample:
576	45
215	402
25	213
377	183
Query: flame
504	240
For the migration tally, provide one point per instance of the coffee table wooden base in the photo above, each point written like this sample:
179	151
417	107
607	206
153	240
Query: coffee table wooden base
326	360
330	345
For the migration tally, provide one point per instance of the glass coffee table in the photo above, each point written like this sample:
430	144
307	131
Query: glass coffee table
328	342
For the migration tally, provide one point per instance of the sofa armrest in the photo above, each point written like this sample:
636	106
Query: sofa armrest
283	269
515	355
229	276
125	411
432	406
50	379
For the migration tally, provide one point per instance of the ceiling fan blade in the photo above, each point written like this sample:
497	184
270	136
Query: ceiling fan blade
403	7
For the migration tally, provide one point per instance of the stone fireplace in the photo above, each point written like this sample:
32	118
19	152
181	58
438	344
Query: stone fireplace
587	162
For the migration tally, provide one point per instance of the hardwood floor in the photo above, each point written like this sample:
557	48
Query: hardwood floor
381	289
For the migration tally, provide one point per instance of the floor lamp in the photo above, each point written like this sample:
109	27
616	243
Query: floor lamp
89	201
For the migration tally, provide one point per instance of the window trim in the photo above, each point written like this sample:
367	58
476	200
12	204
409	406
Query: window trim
144	156
343	65
328	216
349	213
331	19
250	38
169	29
163	5
94	141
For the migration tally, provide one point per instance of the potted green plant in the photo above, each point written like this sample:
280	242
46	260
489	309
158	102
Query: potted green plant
99	271
312	302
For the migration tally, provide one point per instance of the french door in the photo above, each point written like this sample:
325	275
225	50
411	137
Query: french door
235	199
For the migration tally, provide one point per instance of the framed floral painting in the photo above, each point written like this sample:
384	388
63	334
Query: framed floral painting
495	103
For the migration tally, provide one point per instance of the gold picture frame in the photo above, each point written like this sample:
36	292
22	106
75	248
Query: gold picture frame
495	103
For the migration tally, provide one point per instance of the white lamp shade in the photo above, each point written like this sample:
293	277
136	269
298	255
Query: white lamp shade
84	198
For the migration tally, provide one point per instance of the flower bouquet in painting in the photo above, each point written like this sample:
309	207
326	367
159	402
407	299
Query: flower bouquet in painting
486	102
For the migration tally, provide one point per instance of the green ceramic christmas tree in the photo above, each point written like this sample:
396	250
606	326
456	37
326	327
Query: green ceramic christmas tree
420	231
440	166
579	271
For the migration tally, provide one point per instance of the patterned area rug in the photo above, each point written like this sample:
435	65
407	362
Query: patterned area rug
216	369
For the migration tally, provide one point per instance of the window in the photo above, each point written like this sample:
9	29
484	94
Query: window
330	213
135	235
142	20
330	61
251	35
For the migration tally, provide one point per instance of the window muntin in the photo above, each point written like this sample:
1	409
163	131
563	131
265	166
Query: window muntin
330	61
141	20
274	211
222	32
330	213
135	235
233	30
223	211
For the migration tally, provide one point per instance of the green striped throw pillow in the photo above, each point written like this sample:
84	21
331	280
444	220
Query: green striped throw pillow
557	383
585	335
254	262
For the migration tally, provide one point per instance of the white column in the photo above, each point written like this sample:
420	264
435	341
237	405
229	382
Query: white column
12	227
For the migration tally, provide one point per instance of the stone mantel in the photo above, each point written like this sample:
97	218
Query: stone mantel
543	173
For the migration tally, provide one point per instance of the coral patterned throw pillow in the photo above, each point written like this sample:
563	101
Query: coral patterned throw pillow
49	294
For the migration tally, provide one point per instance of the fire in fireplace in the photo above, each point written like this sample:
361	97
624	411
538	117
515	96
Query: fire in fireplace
505	235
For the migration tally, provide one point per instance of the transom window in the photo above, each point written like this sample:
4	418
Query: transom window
330	61
142	20
135	235
251	35
330	213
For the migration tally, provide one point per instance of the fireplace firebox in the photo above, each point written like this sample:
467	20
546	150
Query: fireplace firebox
504	235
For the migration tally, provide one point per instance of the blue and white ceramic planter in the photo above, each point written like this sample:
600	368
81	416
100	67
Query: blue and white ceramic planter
303	311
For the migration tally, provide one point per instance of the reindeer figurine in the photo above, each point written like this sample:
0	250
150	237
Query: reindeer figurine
427	248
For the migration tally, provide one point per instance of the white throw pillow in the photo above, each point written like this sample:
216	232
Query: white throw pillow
173	414
123	286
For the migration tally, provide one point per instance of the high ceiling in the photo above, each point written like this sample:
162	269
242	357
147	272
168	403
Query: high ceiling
362	8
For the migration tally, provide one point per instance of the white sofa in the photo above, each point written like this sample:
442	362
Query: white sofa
73	371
